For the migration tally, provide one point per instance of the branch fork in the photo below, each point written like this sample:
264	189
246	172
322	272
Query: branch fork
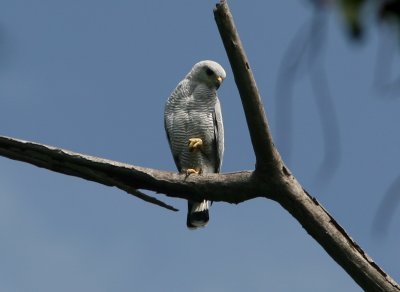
271	178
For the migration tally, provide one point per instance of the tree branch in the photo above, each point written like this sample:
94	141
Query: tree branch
69	163
286	190
231	188
261	138
332	237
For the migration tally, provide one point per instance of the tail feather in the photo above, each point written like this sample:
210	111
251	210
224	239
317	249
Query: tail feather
197	215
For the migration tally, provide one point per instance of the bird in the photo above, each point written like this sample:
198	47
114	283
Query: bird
195	130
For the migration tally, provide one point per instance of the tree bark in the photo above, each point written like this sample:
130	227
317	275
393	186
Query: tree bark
271	179
231	187
266	155
287	191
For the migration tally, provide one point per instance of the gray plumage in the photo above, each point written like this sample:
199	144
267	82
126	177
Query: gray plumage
193	111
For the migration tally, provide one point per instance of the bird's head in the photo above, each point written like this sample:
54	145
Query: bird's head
208	72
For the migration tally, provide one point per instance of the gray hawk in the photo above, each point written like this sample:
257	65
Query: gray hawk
195	132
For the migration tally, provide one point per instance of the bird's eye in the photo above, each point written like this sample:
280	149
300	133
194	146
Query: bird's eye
209	72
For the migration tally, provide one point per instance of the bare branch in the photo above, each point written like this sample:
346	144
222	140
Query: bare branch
285	189
264	149
67	162
333	238
231	188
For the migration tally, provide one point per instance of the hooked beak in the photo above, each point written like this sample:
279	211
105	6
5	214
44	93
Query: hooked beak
219	81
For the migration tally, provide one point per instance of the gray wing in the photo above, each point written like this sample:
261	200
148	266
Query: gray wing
219	136
168	125
169	118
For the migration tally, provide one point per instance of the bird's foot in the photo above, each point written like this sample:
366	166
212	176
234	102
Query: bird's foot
195	144
190	171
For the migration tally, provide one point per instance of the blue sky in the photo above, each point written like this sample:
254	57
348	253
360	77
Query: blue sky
93	76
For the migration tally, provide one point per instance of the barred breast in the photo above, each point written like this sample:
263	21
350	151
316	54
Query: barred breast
189	113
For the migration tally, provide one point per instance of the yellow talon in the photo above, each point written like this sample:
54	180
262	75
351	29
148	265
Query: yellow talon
190	171
195	144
